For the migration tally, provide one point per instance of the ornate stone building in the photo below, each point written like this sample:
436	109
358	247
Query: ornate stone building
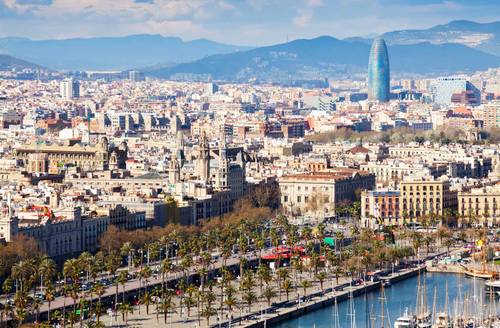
50	159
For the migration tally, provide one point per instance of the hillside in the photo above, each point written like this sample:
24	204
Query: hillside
327	57
111	53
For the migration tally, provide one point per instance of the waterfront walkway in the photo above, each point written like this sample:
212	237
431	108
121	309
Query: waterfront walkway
260	314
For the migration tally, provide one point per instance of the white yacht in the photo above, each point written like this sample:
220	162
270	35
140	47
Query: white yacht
442	321
424	320
406	321
492	287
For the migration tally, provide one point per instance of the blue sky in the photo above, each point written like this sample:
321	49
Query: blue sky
244	22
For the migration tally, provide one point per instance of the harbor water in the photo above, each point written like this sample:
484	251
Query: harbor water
464	295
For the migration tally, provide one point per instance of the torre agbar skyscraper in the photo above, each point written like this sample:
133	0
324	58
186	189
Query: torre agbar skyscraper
379	72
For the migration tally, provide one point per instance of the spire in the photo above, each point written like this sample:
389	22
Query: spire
180	148
9	203
204	158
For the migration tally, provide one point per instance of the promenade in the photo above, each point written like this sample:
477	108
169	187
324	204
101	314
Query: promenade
260	313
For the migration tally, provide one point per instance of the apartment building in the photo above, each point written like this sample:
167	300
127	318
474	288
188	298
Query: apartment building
424	197
312	191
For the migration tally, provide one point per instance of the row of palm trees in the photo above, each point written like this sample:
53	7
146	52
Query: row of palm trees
179	251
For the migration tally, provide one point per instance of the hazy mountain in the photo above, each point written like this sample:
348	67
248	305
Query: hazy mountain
9	62
111	53
482	36
330	57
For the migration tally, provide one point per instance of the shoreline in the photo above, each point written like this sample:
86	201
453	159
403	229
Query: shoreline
320	300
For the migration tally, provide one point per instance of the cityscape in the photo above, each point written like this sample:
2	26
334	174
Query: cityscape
181	163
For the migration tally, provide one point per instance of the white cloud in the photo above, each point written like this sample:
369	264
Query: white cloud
305	13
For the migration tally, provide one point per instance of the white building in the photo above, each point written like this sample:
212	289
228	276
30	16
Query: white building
69	89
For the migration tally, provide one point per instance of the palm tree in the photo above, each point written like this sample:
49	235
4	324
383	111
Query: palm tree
125	309
314	261
189	302
112	264
165	269
268	294
144	274
72	317
264	275
339	240
146	299
298	267
122	280
166	305
230	301
337	271
305	284
7	311
20	315
321	276
287	288
207	312
99	290
20	302
46	270
249	297
126	250
86	260
281	274
21	272
49	297
82	304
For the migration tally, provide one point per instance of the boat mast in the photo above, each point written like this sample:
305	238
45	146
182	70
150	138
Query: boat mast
382	298
434	305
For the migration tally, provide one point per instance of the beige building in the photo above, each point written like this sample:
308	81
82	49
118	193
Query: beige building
480	205
50	158
321	191
395	170
491	115
425	197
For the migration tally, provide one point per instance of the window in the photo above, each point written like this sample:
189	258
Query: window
299	199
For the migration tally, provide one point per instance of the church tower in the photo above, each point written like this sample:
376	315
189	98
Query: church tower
9	224
203	165
174	170
223	170
181	157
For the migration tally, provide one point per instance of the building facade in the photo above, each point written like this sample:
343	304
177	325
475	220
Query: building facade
380	207
480	206
425	198
322	191
379	72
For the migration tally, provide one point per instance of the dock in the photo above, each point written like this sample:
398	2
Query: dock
292	309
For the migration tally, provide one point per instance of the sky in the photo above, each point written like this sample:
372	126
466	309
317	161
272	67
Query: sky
241	22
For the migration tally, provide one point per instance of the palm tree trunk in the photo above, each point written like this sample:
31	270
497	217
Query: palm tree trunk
64	311
116	296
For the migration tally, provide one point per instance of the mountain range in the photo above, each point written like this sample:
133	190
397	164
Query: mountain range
8	63
111	53
481	36
459	46
330	57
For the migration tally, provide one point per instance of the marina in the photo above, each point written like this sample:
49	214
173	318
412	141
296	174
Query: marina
444	296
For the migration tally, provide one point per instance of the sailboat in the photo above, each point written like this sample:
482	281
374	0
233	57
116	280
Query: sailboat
424	316
383	307
352	310
336	321
442	319
407	320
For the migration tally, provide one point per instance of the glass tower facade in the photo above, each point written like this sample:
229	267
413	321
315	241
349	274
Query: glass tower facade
379	72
